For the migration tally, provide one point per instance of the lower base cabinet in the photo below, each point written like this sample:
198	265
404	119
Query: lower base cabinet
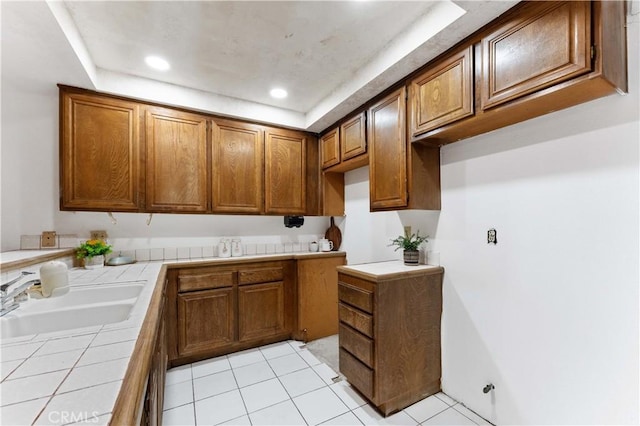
154	401
205	319
390	333
263	311
223	309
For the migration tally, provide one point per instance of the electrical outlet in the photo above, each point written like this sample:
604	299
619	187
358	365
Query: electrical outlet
407	230
492	236
48	239
98	235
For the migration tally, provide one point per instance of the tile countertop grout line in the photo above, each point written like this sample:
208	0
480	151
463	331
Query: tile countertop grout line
53	394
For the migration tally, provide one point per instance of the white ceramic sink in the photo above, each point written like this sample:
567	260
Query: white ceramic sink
80	307
87	295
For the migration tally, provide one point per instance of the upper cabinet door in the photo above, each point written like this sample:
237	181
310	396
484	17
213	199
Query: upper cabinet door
549	42
99	153
443	94
388	153
285	172
237	167
330	148
353	137
177	175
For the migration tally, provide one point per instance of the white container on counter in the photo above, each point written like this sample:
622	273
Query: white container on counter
236	247
53	275
224	248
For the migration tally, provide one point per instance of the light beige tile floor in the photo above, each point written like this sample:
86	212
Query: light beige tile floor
285	384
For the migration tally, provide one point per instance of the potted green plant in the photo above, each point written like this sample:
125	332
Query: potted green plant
410	245
93	252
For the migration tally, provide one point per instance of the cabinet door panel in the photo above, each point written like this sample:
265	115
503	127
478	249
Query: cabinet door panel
353	137
285	172
205	320
547	44
261	310
388	153
99	153
443	94
176	161
237	166
330	148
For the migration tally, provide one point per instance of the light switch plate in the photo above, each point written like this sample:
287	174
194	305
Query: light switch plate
407	230
99	235
48	239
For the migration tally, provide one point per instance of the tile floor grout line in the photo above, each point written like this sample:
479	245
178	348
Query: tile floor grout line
246	410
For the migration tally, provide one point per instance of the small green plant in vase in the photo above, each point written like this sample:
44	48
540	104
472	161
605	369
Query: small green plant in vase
93	252
410	245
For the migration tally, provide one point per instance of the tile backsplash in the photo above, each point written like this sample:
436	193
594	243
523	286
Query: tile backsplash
185	253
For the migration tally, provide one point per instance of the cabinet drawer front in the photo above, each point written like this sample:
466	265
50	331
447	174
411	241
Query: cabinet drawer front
358	375
356	319
191	281
357	344
355	297
266	275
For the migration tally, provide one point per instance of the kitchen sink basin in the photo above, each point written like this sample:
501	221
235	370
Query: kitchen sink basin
63	319
88	295
80	307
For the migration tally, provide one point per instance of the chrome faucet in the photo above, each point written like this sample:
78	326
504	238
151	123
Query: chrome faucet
12	296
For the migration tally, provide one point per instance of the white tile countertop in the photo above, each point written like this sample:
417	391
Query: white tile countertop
387	270
75	375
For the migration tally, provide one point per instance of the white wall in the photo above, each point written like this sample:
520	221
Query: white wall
549	315
36	56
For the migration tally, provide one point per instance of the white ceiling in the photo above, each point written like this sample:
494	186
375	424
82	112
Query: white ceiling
331	56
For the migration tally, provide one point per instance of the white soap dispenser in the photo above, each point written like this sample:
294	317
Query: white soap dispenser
224	248
236	247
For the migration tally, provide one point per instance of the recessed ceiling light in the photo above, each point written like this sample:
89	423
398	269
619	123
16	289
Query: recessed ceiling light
278	93
157	62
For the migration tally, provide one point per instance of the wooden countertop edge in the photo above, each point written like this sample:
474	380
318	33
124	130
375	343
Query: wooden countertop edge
129	404
388	276
23	263
252	259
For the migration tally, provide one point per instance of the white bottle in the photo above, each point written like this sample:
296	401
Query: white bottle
224	248
236	247
53	275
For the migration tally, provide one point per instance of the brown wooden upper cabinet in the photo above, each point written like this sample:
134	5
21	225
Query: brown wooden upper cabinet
340	146
443	94
400	176
388	153
330	148
99	153
285	172
548	43
237	167
177	172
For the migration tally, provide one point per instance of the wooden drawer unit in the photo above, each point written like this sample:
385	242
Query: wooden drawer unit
203	279
360	376
355	343
356	319
354	296
262	275
390	332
